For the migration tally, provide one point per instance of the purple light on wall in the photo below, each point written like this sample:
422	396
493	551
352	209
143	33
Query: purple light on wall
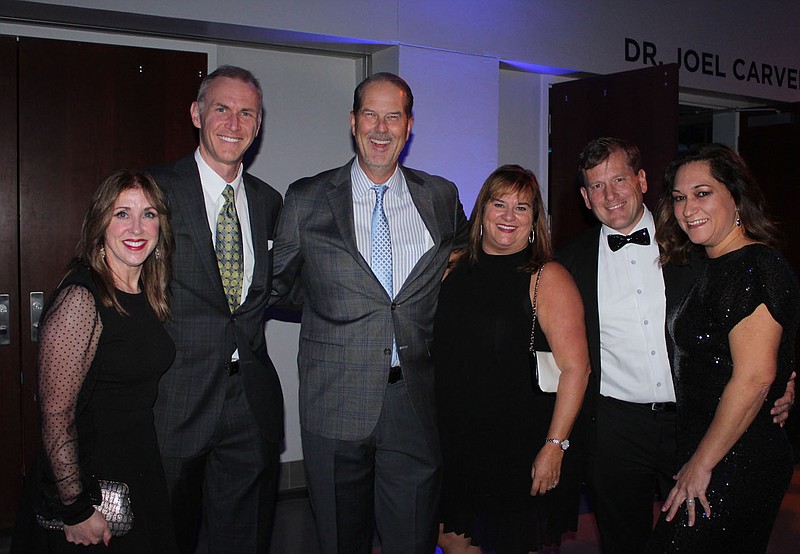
535	68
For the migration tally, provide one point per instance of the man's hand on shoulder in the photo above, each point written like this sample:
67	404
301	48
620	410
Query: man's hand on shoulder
780	410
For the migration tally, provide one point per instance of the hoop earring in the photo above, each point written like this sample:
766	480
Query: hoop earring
103	251
532	237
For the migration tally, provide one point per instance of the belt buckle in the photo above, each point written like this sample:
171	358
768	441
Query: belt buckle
662	406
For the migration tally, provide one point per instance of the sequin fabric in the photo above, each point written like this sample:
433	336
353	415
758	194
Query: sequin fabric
748	484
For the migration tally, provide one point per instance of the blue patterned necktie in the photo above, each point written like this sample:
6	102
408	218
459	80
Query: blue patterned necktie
381	253
229	249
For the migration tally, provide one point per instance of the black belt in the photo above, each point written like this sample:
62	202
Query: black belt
232	367
658	407
395	374
661	406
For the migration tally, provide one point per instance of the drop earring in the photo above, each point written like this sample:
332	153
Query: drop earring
157	254
532	237
103	251
481	229
738	219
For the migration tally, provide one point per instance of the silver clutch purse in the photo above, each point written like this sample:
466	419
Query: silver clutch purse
115	507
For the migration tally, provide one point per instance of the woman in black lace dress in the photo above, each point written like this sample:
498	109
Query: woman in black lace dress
102	350
734	342
511	478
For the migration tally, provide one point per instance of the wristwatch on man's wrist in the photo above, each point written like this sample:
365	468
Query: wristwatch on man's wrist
564	444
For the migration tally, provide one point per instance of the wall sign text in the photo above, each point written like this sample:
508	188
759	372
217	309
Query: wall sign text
714	65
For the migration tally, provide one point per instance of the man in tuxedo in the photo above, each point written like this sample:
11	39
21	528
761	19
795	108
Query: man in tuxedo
219	413
626	296
368	244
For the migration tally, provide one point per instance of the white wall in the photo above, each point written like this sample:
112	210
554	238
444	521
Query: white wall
307	100
583	35
523	122
455	116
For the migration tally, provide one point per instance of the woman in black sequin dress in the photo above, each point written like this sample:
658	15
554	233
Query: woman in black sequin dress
102	350
734	340
510	484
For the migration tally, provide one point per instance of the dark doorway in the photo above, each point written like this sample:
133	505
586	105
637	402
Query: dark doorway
80	111
769	141
640	106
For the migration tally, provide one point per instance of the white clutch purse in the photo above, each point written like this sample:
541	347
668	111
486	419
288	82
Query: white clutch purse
544	369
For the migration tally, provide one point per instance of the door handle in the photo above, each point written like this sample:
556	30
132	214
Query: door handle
36	304
5	319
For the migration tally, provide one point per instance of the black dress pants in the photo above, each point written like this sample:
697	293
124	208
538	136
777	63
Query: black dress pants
633	456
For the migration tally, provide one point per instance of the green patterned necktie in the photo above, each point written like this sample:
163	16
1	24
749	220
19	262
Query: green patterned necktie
229	250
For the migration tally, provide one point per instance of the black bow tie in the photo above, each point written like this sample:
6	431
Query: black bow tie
615	242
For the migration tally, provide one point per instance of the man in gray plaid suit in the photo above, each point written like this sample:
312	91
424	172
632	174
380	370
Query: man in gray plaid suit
366	377
219	413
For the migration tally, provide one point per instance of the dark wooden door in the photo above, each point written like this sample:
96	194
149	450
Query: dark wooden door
10	421
769	142
640	106
84	111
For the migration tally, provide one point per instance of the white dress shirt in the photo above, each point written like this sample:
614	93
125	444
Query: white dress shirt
213	185
631	304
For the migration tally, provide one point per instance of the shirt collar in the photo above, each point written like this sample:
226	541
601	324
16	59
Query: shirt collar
362	184
212	183
646	222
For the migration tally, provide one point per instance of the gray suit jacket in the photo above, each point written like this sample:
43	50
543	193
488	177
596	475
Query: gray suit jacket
348	319
192	392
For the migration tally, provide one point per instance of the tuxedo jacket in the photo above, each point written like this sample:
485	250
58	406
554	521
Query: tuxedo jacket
348	319
205	332
580	257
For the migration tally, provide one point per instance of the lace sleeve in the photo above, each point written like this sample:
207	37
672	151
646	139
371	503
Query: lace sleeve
68	343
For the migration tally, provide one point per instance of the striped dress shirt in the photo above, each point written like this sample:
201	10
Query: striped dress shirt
410	238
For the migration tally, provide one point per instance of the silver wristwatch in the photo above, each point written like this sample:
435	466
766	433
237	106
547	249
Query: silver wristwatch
564	444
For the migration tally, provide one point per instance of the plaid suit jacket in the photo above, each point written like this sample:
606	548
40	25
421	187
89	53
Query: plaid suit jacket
348	319
192	392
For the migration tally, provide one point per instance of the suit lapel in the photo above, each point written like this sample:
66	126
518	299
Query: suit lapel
340	198
424	202
586	278
260	227
585	275
190	198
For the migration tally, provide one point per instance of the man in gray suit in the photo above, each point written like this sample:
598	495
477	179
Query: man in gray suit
219	414
368	260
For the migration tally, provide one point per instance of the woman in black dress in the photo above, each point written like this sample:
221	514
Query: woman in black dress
102	350
734	341
511	478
